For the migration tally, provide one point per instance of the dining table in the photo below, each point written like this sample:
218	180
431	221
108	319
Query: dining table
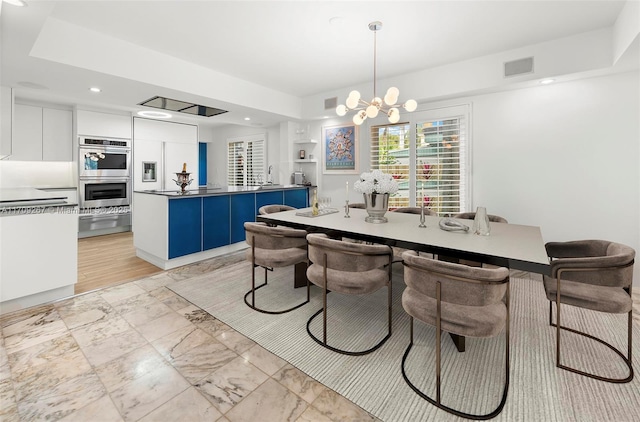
514	246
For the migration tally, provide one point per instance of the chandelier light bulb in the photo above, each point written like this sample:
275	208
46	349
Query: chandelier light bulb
341	110
394	115
360	117
410	105
355	95
352	102
372	111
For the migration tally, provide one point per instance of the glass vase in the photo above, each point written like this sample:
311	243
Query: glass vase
481	222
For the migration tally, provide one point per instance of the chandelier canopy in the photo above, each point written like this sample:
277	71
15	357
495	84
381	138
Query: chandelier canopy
388	106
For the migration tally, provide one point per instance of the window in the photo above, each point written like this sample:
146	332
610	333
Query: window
246	161
427	156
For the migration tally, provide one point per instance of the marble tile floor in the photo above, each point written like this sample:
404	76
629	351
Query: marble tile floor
139	352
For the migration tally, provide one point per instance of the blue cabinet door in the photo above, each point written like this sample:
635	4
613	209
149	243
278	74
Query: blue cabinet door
215	221
185	226
269	198
243	208
297	198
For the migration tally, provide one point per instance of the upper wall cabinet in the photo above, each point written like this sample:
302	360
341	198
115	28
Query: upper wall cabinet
156	130
41	134
91	123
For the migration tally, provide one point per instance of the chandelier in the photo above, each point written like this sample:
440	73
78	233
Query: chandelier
377	105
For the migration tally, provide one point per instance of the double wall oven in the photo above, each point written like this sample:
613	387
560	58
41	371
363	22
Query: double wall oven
104	188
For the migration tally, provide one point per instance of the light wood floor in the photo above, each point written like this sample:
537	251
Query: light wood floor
109	260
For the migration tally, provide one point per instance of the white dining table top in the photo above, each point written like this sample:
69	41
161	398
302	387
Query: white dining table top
512	245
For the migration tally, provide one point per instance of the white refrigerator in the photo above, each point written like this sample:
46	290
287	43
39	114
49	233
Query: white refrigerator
156	164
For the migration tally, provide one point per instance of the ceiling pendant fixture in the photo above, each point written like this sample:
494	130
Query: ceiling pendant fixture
371	109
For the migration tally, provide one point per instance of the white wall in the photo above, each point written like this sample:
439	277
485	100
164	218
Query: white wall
563	157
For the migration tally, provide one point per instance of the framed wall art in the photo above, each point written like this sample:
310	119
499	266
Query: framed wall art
340	149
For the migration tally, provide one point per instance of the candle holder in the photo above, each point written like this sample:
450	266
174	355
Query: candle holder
183	180
422	225
346	209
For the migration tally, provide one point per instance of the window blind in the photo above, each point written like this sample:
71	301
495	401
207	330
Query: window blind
428	162
246	162
439	165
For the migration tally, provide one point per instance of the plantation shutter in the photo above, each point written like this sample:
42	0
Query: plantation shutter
428	158
439	165
390	153
236	158
246	161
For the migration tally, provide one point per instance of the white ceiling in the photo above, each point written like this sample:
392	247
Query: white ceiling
287	46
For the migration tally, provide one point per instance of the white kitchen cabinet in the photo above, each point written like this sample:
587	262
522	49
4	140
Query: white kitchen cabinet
159	131
92	123
39	259
6	114
41	134
57	136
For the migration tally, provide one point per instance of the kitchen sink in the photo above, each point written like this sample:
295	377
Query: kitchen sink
265	187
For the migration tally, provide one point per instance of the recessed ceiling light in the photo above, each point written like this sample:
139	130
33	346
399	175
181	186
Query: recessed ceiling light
19	3
247	118
95	89
547	81
154	114
336	21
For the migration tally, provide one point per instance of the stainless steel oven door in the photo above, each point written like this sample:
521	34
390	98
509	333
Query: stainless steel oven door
100	192
104	161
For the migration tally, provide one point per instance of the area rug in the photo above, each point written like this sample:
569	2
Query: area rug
472	380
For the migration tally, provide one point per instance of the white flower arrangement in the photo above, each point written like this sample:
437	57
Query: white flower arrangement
376	182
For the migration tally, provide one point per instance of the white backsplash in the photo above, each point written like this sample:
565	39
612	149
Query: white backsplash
37	174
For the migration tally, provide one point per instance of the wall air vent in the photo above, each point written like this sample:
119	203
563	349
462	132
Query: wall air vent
181	107
518	67
330	103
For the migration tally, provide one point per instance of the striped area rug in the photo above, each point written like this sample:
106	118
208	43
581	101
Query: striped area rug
472	381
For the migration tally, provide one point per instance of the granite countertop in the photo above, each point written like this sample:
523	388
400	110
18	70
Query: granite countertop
224	190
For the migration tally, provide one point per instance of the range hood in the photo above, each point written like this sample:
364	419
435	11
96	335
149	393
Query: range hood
181	106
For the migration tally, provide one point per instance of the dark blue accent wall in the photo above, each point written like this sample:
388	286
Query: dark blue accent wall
202	164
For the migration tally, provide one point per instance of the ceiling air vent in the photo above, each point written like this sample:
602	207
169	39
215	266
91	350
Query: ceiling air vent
518	67
330	103
181	107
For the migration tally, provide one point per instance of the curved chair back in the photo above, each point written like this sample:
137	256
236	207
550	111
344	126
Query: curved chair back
472	215
270	209
603	263
415	210
460	284
347	262
275	246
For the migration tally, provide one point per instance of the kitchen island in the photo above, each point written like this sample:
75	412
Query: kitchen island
38	247
171	229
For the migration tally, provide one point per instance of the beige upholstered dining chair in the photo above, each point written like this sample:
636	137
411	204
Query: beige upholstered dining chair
472	215
270	209
351	269
458	299
273	247
595	275
415	210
